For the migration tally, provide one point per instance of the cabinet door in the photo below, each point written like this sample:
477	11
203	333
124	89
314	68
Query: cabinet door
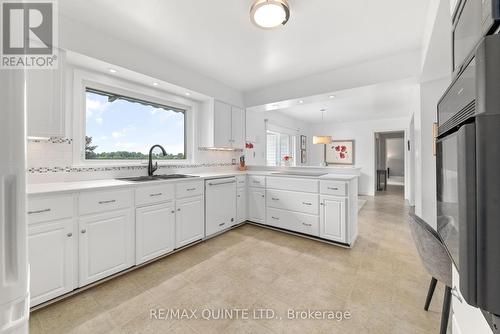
44	92
238	127
241	205
106	245
154	231
333	218
190	221
257	205
51	251
222	125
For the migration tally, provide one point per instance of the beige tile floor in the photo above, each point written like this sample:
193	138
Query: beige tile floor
380	281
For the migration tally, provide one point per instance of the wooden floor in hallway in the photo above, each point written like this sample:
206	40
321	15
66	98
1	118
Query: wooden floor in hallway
380	282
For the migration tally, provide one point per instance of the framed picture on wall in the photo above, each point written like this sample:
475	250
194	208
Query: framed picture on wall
303	142
340	152
303	156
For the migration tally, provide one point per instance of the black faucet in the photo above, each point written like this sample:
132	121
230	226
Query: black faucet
151	168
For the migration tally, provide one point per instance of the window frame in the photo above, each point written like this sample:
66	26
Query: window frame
293	147
83	79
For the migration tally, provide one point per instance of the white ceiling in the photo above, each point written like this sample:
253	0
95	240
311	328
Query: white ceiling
217	38
382	101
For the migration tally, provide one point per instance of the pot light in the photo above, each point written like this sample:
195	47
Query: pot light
301	101
268	14
187	93
112	70
331	96
155	84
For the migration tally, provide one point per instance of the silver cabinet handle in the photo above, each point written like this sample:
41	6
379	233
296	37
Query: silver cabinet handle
39	211
84	231
179	209
275	218
454	293
222	224
263	196
219	183
275	199
190	189
107	202
306	224
69	235
155	195
173	211
238	196
330	188
321	203
305	203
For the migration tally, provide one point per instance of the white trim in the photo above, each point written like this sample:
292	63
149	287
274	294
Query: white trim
82	78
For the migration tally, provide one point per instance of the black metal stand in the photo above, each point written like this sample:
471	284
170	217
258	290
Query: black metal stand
430	293
446	310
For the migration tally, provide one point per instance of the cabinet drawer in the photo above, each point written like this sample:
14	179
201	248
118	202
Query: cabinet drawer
336	188
293	184
154	194
241	181
187	189
294	201
100	201
293	221
50	208
257	181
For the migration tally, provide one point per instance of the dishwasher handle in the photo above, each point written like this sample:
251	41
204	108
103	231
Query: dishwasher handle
219	183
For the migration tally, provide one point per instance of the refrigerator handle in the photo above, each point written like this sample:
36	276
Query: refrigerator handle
9	268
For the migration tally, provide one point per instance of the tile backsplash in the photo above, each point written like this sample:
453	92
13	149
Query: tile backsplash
52	161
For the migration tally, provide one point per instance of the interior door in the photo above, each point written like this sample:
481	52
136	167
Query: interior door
190	221
332	218
154	231
238	127
222	124
50	251
106	245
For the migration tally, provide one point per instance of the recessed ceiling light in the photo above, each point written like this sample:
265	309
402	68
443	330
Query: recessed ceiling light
268	14
275	105
187	93
155	84
112	70
331	96
301	101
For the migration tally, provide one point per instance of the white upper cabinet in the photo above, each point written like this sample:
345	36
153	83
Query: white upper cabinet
238	127
221	126
44	91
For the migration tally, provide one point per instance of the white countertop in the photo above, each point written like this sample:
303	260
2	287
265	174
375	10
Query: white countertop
64	187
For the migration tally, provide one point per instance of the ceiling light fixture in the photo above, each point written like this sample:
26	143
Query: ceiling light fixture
155	84
301	101
331	96
188	94
112	70
268	14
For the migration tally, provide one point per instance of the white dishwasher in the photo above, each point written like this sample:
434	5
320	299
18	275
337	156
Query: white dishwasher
220	204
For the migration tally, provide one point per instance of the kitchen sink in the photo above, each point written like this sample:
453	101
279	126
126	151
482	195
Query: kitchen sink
156	177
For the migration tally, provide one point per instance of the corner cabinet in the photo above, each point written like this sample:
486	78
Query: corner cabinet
45	98
221	125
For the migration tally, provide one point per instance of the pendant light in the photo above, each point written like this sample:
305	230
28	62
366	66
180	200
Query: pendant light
322	139
268	14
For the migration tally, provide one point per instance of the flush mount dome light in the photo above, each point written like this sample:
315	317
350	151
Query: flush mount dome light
270	14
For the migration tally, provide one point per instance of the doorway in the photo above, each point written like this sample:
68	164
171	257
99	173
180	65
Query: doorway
389	162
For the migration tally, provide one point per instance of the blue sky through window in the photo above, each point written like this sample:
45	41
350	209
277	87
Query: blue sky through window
132	127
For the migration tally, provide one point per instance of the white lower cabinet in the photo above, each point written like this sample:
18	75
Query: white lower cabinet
293	221
189	221
257	205
154	231
106	245
333	211
51	258
241	205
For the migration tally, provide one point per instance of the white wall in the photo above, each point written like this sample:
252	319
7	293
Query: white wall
363	134
256	134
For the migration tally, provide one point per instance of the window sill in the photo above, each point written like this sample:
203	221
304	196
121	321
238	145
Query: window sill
141	163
